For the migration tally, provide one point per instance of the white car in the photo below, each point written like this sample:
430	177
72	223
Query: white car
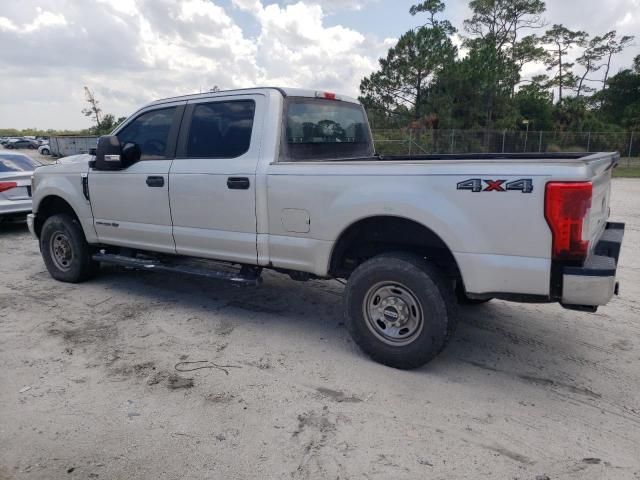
16	170
44	149
288	179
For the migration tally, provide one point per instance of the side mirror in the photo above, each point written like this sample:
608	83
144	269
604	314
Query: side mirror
131	153
108	153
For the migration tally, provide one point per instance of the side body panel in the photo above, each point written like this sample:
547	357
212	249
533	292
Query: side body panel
130	213
65	181
210	219
499	239
131	206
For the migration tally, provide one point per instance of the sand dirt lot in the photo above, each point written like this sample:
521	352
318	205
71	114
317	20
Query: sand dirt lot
89	386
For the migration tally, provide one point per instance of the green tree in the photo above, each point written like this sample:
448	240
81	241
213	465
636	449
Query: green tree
619	103
404	77
499	22
589	60
108	124
494	31
560	40
535	103
104	124
612	45
93	110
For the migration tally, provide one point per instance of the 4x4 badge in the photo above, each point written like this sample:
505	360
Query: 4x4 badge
524	185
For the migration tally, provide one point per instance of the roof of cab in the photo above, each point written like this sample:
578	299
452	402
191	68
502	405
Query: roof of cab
285	91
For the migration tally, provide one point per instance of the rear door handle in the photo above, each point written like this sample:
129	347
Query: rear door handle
238	183
155	181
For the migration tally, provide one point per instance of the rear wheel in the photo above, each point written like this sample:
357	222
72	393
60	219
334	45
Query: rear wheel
65	250
400	309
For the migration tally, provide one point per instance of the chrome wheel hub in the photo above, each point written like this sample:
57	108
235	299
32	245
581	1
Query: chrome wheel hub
393	313
61	250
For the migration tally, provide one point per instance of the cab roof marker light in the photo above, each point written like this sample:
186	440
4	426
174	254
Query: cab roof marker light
327	95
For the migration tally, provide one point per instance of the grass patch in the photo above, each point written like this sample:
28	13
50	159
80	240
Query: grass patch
627	172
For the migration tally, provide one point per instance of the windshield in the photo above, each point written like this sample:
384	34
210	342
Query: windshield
16	163
319	129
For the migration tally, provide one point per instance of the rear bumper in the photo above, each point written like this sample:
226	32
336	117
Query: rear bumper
14	207
594	283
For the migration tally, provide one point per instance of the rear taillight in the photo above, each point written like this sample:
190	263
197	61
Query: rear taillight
565	207
4	186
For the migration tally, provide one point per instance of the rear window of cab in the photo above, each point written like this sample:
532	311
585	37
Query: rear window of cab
321	129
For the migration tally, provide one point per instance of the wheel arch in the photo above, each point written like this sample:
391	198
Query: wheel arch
52	205
376	234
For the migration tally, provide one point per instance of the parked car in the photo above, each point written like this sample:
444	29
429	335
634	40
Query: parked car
16	170
6	140
44	149
287	179
21	143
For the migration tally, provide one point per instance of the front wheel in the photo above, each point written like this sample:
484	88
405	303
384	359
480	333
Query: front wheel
400	309
65	250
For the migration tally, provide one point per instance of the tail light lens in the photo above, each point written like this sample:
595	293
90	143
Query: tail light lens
4	186
565	207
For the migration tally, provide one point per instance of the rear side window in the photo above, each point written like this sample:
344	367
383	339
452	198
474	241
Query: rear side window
221	129
150	131
16	163
319	129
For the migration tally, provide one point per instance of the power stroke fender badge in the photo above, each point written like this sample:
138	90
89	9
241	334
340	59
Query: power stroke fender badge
523	185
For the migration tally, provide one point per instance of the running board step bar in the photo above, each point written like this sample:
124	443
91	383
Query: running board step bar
247	276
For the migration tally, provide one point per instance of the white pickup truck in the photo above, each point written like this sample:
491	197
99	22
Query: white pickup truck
226	184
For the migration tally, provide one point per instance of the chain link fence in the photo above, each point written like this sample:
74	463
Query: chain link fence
404	141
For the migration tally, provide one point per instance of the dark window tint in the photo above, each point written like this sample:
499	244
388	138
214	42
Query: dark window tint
318	129
16	163
221	129
151	132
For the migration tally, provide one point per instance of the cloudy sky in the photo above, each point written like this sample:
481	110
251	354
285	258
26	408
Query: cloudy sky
133	51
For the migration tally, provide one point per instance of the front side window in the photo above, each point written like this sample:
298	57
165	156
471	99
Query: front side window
150	131
221	129
318	129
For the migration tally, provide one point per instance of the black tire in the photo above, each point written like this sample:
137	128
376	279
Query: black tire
428	296
65	250
45	151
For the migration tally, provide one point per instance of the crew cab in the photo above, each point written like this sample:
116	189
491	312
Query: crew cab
229	183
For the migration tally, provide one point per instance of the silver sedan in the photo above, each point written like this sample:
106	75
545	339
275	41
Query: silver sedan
15	184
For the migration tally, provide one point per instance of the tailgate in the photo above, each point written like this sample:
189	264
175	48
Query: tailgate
596	219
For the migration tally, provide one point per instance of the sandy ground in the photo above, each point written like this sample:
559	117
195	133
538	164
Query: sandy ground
89	388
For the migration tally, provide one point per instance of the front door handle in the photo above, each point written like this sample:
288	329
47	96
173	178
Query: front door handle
155	181
238	183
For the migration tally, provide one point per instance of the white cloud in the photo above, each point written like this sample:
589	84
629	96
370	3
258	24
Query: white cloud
134	51
43	19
